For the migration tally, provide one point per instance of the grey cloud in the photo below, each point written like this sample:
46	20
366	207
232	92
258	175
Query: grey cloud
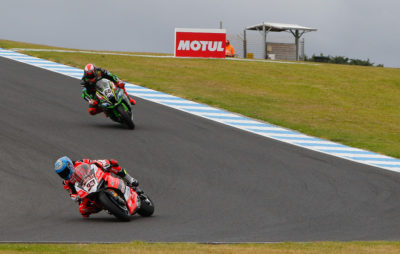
353	28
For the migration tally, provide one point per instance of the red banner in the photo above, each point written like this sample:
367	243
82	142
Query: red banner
200	42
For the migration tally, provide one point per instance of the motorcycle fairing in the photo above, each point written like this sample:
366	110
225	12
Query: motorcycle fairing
130	196
132	200
89	178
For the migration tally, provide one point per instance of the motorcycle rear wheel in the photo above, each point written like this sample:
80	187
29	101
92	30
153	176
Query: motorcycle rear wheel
111	205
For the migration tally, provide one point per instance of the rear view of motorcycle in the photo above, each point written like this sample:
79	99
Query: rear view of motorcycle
115	103
111	193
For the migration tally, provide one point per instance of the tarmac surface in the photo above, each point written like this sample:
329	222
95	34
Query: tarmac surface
209	182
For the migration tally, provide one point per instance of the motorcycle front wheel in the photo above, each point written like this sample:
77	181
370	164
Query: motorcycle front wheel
126	117
146	207
113	206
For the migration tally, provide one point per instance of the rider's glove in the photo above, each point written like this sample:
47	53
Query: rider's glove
120	84
85	94
106	167
104	164
114	163
93	102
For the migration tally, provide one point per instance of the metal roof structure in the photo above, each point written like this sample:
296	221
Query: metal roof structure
279	27
267	27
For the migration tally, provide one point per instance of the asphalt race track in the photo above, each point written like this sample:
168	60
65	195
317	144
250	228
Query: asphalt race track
209	182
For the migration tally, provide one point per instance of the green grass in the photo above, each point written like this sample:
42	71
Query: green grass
192	248
16	44
353	105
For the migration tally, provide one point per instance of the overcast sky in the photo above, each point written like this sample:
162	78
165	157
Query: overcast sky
353	28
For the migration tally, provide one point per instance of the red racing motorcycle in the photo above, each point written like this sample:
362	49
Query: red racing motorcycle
111	193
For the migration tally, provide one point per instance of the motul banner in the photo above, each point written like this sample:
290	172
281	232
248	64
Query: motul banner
191	42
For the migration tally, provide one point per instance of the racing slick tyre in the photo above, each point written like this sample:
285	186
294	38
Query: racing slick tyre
146	207
127	118
113	206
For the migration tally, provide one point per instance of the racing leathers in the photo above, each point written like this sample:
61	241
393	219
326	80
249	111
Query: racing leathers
89	88
88	206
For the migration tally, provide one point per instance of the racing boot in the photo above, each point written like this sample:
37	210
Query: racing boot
132	101
94	108
87	207
130	181
133	183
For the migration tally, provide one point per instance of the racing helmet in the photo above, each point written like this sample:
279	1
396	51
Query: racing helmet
227	42
90	72
64	167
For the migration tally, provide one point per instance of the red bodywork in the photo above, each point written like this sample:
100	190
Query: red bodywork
88	176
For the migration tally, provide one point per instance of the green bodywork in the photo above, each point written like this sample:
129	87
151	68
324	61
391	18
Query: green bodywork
112	106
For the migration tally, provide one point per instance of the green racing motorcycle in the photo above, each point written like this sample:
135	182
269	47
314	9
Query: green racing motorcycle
114	103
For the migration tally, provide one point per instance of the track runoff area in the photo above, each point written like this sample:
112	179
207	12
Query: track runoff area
228	118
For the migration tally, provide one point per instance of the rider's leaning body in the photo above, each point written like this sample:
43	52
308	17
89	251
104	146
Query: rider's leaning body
91	75
65	168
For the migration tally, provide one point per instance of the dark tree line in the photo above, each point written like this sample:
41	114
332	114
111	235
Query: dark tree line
340	60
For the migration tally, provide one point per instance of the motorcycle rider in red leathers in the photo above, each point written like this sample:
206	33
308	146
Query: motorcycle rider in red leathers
91	75
65	168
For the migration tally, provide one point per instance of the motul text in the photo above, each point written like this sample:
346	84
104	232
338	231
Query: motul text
200	42
201	45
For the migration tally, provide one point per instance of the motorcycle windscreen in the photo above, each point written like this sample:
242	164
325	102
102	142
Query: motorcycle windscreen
106	90
86	177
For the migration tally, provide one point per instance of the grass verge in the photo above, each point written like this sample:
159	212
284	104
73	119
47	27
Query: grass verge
192	248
